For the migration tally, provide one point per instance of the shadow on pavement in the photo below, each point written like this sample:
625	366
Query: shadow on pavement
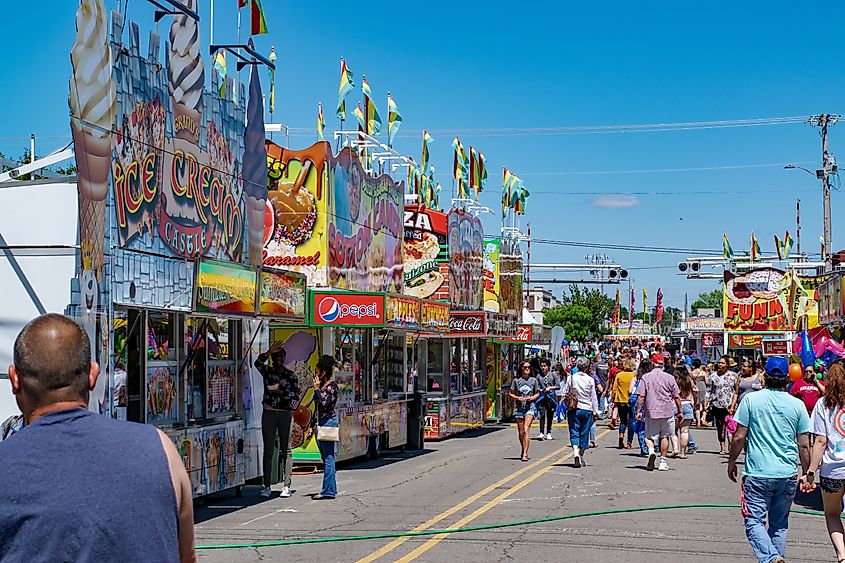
388	457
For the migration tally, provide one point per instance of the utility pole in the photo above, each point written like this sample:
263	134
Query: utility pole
828	168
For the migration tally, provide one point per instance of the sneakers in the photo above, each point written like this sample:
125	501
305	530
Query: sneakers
285	492
549	436
691	451
651	458
265	492
540	436
663	465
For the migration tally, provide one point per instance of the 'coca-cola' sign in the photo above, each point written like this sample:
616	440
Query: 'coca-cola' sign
463	323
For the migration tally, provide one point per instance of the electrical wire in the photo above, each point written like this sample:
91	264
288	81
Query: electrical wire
625	247
485	527
660	170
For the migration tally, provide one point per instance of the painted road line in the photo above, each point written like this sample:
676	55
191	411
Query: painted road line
460	506
487	507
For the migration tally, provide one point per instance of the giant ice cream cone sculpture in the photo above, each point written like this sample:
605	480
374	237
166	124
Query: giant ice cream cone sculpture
255	169
186	75
93	106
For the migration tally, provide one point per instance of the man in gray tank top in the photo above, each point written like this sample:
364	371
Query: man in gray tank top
80	486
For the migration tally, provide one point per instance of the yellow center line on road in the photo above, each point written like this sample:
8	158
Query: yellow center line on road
460	506
487	507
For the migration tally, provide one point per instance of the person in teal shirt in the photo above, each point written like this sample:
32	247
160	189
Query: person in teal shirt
775	426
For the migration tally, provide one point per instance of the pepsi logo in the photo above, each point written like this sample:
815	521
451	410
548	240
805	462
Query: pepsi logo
329	309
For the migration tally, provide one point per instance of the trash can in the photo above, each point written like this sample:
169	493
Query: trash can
416	420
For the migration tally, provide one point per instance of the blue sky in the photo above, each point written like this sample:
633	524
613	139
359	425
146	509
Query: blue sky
478	66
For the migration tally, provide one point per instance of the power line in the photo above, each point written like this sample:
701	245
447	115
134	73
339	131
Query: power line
596	129
626	247
659	170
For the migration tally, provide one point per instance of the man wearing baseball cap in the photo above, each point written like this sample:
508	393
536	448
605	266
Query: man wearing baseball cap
660	394
775	426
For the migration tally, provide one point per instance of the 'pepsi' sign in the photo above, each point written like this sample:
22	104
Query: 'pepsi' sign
348	309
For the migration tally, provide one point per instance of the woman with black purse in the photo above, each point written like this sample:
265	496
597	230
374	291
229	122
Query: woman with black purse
325	399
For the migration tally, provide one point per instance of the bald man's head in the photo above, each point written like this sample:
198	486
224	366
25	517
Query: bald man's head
53	359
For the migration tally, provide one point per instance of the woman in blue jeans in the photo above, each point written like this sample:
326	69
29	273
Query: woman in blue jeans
325	397
581	419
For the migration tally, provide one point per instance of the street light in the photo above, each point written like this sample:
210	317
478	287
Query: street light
822	174
810	172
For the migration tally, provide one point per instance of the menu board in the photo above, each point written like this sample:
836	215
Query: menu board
282	294
434	316
402	311
223	287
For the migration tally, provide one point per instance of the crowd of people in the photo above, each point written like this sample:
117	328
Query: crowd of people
781	423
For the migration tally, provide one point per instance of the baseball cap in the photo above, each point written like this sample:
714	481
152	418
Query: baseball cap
658	358
777	366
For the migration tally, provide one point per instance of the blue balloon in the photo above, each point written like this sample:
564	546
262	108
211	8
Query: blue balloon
808	356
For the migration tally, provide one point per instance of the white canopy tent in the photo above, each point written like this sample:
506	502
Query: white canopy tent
38	232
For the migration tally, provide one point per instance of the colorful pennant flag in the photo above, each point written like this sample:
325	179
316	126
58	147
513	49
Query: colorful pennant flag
727	251
346	86
615	317
242	4
632	303
258	25
508	180
659	314
459	170
272	59
784	247
426	139
220	67
482	171
370	111
755	247
645	302
359	115
394	120
321	122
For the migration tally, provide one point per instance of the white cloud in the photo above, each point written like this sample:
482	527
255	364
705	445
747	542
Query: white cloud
616	201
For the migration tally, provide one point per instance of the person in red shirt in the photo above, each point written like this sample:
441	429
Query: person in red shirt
808	389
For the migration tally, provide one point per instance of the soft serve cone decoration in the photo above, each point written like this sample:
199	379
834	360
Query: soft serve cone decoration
255	169
186	75
93	106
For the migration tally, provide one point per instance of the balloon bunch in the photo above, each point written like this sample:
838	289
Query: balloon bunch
822	347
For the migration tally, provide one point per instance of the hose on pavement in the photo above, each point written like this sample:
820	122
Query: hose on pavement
393	535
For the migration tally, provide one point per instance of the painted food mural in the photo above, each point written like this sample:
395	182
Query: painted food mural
365	228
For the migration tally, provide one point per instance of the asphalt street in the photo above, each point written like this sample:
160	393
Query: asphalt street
477	479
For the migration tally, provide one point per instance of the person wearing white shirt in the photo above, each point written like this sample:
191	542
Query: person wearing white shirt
828	421
582	417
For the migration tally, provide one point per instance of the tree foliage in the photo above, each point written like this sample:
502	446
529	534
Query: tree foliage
708	300
582	312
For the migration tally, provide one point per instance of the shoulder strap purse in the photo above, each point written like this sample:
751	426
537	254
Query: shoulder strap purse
571	397
325	433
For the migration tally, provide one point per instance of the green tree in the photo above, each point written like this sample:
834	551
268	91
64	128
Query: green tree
597	303
708	300
576	320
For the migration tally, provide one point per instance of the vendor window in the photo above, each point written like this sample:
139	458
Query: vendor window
391	364
476	364
459	369
161	381
434	364
352	370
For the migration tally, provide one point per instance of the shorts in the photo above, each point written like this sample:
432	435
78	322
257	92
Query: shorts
830	485
523	409
686	410
656	428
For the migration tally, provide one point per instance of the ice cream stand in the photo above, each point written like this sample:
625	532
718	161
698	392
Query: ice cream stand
170	286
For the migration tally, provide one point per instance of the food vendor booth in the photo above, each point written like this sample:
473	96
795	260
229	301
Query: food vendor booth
329	219
170	287
763	307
